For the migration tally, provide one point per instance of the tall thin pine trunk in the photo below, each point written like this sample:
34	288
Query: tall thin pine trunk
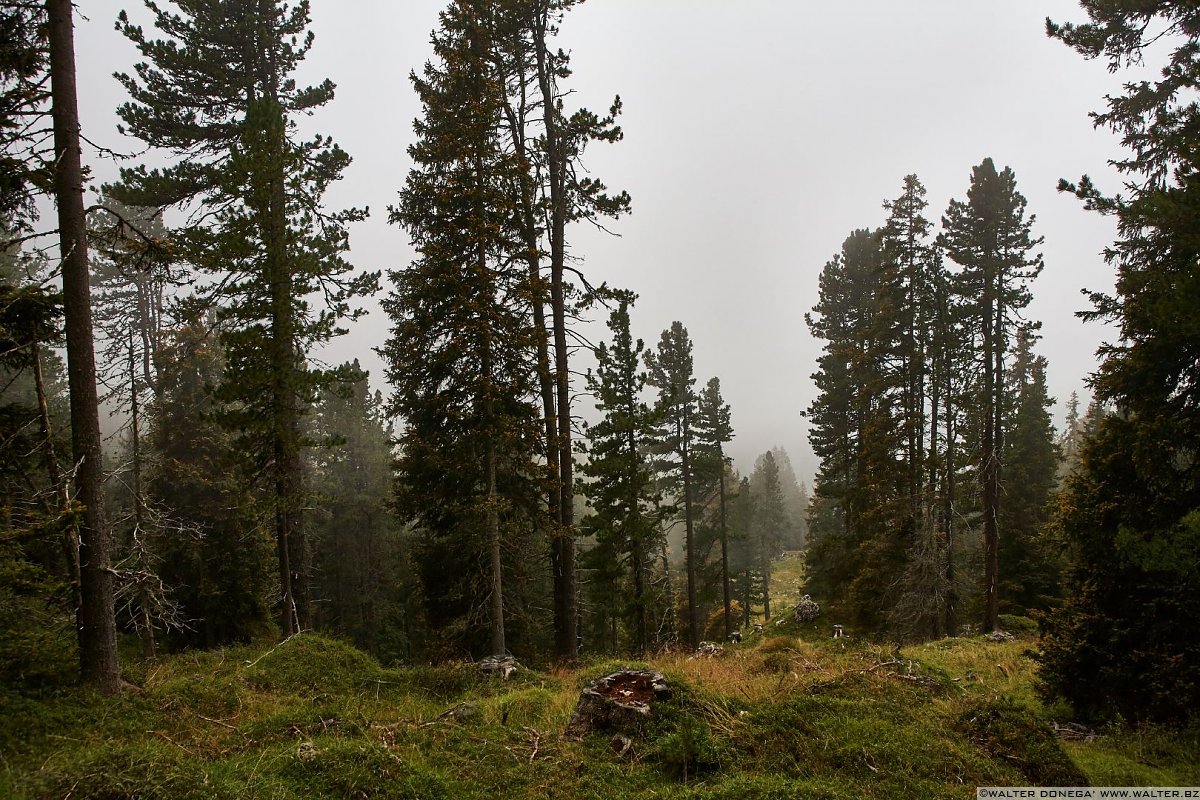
562	554
97	616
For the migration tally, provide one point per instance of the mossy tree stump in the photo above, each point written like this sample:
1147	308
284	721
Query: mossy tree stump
620	702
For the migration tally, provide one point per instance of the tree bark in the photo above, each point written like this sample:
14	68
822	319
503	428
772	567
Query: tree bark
689	534
990	468
725	553
97	617
562	554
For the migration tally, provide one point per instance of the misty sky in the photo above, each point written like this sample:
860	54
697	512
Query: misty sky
757	136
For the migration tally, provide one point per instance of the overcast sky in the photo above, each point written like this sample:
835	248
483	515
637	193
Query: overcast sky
758	134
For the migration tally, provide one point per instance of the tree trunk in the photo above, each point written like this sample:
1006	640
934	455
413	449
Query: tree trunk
62	495
145	624
993	335
725	555
562	555
689	537
286	427
497	587
97	617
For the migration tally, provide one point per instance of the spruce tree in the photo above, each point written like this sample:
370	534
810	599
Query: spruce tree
1031	458
461	351
767	523
217	96
857	431
363	585
714	429
214	545
1125	640
670	371
626	505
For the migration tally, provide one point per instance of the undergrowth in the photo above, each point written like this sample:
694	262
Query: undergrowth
791	714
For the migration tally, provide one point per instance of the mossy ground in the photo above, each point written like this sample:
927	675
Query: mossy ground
792	714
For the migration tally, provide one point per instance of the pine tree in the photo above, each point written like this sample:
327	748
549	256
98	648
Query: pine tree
361	559
714	429
217	94
910	265
569	194
768	523
1126	639
1031	462
671	372
97	618
626	505
990	237
214	547
461	348
857	432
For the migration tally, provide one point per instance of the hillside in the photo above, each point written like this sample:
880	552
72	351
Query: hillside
789	715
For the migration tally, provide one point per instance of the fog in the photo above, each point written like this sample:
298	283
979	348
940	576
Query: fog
757	136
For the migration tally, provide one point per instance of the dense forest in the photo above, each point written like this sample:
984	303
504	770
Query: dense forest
516	488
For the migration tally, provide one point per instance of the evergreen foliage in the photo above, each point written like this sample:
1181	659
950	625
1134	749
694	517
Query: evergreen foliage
218	96
911	382
461	351
1128	630
215	549
364	585
627	510
714	429
669	369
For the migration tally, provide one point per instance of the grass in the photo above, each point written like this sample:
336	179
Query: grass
792	714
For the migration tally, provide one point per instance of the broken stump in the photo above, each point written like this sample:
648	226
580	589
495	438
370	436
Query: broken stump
618	702
498	665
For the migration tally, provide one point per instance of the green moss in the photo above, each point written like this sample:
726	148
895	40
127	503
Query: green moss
147	768
1013	734
355	768
1019	626
314	664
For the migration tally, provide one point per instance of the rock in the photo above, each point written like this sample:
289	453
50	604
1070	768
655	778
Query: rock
807	610
307	751
709	650
504	665
999	636
735	637
618	702
758	628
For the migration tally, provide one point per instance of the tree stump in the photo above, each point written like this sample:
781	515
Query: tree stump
499	665
619	702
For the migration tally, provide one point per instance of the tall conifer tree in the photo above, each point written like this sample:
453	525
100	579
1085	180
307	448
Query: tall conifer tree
991	238
714	429
217	94
1126	638
462	347
627	512
671	372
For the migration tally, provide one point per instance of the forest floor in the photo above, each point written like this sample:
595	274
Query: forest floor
790	714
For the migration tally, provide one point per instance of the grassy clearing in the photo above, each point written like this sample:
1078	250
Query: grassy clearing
792	714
